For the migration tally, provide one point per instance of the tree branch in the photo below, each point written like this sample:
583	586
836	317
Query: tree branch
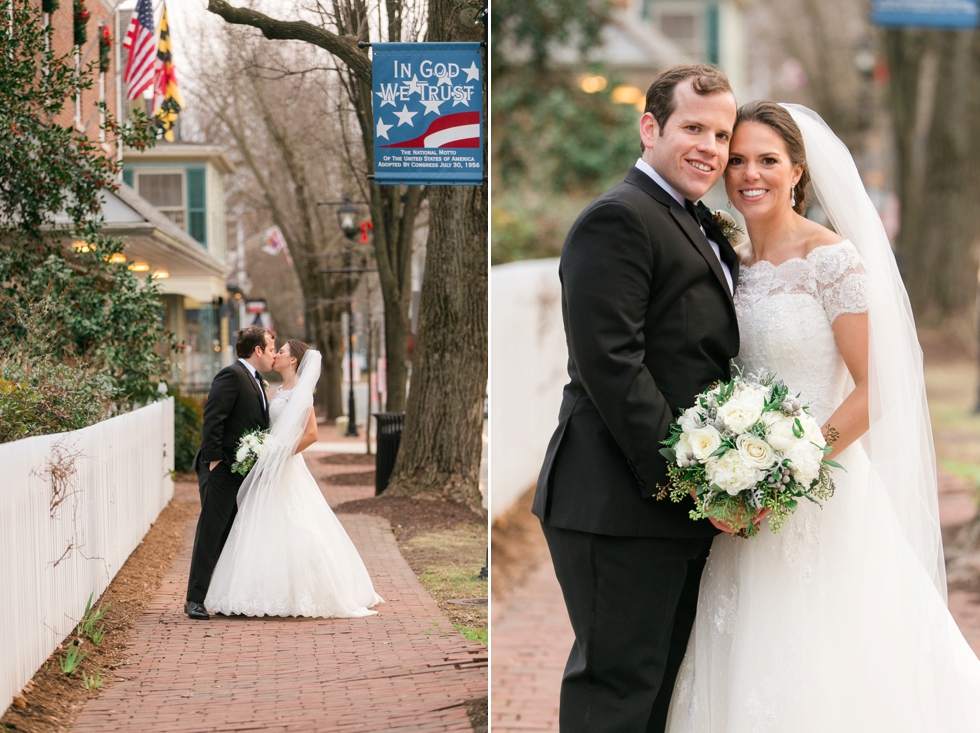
343	47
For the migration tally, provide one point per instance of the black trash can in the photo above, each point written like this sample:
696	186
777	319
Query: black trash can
390	425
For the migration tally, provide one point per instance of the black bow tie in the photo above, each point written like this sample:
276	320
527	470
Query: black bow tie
701	213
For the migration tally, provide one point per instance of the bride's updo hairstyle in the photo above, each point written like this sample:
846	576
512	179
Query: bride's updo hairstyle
775	116
297	350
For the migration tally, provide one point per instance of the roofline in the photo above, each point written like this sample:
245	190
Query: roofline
160	227
213	154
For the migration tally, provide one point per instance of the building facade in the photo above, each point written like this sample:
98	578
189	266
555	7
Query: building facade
169	210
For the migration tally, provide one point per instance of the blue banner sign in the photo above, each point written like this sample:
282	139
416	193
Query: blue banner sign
428	113
926	13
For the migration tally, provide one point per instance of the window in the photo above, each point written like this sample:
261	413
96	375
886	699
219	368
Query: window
166	192
678	26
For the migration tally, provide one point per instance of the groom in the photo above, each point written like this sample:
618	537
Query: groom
647	282
236	404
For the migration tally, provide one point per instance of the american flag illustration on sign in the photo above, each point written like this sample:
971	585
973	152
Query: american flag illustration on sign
428	113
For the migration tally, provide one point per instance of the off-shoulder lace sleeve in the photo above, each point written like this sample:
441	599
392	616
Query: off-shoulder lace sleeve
841	279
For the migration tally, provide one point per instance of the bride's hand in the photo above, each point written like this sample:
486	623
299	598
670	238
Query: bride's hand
763	513
722	526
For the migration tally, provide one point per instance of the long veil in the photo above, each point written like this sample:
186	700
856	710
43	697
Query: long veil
899	441
285	435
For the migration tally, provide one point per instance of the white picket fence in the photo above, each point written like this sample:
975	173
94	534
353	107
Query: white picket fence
121	484
528	360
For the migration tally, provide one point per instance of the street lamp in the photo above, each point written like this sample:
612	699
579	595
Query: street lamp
347	218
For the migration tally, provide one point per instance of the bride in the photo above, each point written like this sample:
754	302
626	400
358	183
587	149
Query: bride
838	623
287	553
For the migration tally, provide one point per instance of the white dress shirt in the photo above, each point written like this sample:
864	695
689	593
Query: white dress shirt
658	179
255	376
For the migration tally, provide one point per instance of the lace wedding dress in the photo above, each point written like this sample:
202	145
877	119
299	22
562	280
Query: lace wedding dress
287	553
832	625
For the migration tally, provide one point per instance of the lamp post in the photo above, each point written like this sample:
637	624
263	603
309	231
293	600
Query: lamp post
347	218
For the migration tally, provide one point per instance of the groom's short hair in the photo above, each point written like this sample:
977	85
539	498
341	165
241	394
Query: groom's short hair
660	96
248	338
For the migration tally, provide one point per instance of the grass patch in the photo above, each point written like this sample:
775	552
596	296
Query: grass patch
447	563
474	634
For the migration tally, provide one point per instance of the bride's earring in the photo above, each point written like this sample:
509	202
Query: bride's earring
792	197
729	203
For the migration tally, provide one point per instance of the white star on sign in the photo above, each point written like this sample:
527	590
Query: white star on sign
432	105
383	129
445	80
472	73
414	87
405	117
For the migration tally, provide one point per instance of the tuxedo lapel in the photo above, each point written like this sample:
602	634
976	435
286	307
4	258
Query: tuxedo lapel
255	386
728	253
687	224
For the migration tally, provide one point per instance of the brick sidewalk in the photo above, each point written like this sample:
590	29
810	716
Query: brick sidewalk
405	669
532	636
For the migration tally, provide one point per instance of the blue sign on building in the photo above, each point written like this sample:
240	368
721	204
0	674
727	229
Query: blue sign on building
926	13
428	113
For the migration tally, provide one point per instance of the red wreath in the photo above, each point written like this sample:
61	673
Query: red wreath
365	227
105	46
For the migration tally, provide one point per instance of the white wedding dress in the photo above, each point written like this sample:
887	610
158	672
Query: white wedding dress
287	553
833	625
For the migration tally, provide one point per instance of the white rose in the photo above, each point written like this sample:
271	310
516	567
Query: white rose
739	415
682	448
804	460
704	441
691	419
753	394
731	473
756	453
811	430
781	435
241	453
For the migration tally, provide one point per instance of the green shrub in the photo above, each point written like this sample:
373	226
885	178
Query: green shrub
188	420
46	397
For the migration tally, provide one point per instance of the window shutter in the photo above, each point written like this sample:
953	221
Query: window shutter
197	205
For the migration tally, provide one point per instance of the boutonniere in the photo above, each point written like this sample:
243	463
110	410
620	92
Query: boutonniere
265	385
726	224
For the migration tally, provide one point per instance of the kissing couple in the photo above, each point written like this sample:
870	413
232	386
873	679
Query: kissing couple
838	622
267	543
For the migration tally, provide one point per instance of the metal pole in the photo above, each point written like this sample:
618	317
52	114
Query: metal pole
352	421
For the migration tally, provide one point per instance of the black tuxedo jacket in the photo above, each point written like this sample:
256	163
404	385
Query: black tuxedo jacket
233	408
649	323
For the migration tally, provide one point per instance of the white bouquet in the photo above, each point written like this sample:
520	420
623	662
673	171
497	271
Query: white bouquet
745	446
249	449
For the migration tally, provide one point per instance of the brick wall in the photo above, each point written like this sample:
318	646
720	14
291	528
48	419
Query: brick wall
63	39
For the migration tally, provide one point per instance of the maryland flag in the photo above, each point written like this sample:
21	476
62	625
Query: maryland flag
167	101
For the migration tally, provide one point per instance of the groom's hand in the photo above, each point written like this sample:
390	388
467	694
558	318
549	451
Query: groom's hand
213	464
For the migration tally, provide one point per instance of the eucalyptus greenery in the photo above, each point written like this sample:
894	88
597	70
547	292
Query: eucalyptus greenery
101	325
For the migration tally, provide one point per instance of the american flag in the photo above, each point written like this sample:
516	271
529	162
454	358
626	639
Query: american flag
141	42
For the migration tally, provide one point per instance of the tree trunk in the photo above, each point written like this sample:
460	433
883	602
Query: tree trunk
325	336
935	102
393	208
442	442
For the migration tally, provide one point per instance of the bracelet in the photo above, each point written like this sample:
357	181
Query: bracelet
832	436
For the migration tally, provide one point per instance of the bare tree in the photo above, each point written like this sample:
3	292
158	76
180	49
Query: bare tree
393	208
832	40
442	443
935	104
440	452
285	128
